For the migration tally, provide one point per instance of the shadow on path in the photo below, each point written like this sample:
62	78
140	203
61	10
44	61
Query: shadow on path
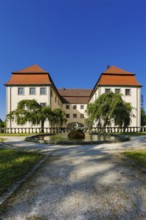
81	183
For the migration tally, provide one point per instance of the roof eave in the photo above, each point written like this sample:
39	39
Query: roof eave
119	85
119	74
29	73
18	84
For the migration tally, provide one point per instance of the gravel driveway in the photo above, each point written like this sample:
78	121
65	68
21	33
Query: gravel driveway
81	183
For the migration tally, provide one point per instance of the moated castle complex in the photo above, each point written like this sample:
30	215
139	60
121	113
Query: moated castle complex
35	83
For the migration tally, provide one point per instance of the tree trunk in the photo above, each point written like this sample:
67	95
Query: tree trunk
42	126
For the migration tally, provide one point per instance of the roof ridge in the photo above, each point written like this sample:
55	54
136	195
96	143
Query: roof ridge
116	70
74	89
35	68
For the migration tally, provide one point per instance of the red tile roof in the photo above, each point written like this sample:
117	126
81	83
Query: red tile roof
31	69
115	76
29	79
33	75
75	100
74	92
75	96
116	70
118	80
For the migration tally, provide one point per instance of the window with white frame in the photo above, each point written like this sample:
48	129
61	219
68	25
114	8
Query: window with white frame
67	107
127	92
20	91
74	106
117	91
67	115
81	115
107	90
74	115
43	104
32	91
42	91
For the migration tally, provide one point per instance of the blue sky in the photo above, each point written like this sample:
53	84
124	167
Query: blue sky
74	40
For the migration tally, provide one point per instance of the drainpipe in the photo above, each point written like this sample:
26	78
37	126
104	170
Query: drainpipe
10	105
137	116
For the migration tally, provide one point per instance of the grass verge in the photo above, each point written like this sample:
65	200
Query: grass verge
131	133
135	133
138	156
14	165
17	134
2	139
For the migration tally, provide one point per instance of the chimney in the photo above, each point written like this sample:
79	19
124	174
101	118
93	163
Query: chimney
108	66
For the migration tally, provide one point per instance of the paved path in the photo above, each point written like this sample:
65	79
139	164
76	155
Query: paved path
137	142
81	183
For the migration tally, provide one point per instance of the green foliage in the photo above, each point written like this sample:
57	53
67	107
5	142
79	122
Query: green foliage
2	124
2	139
13	165
76	134
143	117
139	156
107	109
58	117
31	111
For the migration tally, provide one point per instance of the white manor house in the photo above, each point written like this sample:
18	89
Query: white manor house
35	83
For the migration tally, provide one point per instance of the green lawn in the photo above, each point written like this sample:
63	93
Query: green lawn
15	164
139	156
135	133
29	134
131	133
17	134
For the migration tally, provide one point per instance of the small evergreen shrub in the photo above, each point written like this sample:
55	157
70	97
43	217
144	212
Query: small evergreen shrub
76	134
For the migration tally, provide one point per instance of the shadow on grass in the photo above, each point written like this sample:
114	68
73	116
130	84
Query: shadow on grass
80	183
14	165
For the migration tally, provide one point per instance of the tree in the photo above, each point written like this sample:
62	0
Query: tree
143	117
109	108
59	117
30	111
2	124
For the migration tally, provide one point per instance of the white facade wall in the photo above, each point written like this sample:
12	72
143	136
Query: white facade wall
55	101
52	99
78	111
13	98
134	99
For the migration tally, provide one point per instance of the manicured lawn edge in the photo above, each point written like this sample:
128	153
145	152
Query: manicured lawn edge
131	133
138	157
16	182
16	134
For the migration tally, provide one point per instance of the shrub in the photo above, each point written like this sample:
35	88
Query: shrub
76	134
